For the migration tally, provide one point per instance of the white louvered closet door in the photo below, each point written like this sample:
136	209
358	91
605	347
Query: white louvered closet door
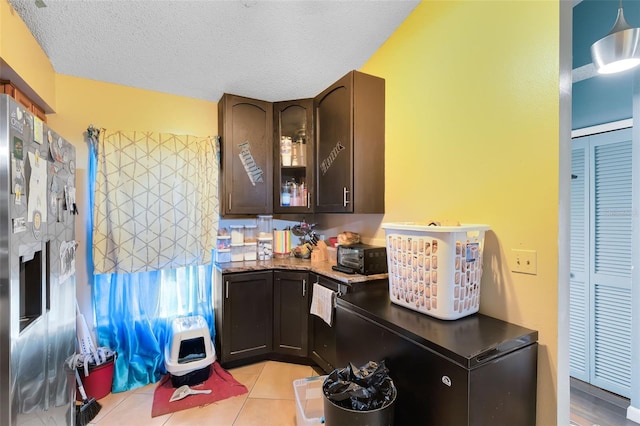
600	293
579	263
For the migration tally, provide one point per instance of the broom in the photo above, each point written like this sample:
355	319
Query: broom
89	408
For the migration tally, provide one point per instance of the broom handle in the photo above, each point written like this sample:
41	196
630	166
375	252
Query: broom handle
80	387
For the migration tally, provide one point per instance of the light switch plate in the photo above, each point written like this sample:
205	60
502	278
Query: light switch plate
524	261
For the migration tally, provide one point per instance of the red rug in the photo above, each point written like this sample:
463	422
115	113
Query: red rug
221	383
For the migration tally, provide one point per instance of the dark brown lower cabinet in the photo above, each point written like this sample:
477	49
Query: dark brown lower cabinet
244	315
291	313
265	315
323	338
474	371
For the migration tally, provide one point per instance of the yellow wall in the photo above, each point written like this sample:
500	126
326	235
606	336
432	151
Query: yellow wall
81	102
472	122
471	131
20	51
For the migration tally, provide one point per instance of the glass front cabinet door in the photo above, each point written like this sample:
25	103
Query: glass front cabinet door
293	156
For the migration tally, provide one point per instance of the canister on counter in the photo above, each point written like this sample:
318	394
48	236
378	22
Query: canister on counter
250	251
237	252
250	234
265	226
282	243
265	248
224	242
223	255
237	234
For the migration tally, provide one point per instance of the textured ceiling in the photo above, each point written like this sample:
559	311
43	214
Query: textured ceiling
270	50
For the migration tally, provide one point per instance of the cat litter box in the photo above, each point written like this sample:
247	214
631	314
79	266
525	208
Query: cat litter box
189	352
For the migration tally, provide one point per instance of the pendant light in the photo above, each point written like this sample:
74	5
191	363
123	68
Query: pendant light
619	50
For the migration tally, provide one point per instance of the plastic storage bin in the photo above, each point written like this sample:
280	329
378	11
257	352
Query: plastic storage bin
435	270
223	242
250	234
265	248
309	400
237	234
265	226
223	249
223	255
237	252
250	251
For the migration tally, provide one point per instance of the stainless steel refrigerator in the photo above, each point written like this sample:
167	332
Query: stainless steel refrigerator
37	270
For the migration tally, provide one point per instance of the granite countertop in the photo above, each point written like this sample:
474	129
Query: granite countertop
295	264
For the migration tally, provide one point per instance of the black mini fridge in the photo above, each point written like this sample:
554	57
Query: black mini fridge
476	370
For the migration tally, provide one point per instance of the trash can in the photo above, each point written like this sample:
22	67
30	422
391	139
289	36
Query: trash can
362	396
100	379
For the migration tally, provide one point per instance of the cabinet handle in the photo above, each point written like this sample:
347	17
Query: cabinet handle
304	287
345	191
308	200
229	209
226	291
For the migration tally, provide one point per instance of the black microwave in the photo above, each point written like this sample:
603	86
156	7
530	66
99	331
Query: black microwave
363	258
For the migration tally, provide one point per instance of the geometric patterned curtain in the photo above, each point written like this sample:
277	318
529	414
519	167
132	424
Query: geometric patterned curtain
155	201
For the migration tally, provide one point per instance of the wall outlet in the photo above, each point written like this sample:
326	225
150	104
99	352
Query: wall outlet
524	261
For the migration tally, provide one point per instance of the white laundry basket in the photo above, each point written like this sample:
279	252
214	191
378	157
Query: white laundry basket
435	270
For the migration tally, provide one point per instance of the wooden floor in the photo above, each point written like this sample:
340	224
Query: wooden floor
594	407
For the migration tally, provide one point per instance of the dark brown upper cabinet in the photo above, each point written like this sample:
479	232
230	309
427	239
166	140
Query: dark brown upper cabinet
293	156
246	131
349	145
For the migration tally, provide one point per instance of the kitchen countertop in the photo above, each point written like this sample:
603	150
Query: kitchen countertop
469	341
295	264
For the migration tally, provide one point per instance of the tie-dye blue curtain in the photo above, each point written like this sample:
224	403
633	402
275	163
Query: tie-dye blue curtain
134	311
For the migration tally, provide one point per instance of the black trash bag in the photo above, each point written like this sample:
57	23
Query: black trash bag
361	389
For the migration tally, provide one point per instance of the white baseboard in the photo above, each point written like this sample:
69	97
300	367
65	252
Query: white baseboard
633	414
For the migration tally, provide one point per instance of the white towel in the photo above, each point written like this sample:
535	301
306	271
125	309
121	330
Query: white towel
322	303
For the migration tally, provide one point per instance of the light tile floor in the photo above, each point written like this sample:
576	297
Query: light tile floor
270	401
